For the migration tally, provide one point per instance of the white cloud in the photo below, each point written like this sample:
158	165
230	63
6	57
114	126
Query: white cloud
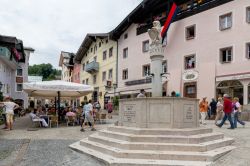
50	26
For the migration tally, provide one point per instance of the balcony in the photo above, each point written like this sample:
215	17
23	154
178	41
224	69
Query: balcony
92	67
5	56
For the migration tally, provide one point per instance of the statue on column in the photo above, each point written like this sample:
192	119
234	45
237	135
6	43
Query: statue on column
155	34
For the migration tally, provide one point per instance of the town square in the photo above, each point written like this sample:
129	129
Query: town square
125	83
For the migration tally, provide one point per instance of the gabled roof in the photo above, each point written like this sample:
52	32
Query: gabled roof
88	40
149	8
65	55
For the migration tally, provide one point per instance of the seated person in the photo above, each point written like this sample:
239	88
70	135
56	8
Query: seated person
41	113
34	116
70	113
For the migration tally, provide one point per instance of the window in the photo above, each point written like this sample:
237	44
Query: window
100	44
248	14
164	67
125	36
226	21
19	72
125	74
125	53
226	55
19	87
104	55
248	51
95	58
190	32
104	76
95	49
110	74
145	70
145	46
111	52
107	40
87	81
91	50
94	79
83	66
190	62
83	81
190	90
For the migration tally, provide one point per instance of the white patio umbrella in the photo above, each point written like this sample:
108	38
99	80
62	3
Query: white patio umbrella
56	88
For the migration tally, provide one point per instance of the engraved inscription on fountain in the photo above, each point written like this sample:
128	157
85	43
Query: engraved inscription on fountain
188	113
129	113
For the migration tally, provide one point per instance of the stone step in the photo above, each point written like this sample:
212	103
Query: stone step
162	138
160	131
156	155
112	161
160	146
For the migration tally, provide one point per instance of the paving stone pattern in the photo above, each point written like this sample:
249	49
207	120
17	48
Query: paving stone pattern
49	147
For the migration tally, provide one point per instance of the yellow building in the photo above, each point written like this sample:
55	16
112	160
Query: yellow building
98	57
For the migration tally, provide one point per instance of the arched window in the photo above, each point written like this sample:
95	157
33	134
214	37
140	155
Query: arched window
233	88
227	84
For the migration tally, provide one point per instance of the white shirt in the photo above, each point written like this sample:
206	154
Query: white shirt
9	107
237	105
88	108
141	95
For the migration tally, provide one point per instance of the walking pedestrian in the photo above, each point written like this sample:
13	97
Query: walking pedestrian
203	110
219	110
227	107
237	112
213	107
88	116
10	107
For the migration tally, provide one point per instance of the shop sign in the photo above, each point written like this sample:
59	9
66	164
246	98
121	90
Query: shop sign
234	77
190	75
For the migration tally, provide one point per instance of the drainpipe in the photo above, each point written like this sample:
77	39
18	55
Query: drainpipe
116	65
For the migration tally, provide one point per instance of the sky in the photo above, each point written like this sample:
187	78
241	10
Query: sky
52	26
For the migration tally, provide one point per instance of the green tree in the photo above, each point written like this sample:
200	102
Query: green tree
45	70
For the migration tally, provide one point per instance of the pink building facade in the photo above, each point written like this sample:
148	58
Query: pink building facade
207	55
76	73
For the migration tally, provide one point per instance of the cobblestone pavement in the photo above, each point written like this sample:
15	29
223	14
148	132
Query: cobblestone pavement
43	147
47	147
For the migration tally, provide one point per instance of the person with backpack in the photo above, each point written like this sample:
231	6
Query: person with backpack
237	112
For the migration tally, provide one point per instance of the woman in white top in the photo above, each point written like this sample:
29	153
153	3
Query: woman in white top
219	110
237	112
10	107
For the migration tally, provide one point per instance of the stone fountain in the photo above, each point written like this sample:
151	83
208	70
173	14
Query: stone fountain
158	130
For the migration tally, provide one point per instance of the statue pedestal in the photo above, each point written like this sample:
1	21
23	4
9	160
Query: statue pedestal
159	113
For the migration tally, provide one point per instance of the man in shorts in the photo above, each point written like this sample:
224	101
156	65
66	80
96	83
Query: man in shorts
88	111
10	107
